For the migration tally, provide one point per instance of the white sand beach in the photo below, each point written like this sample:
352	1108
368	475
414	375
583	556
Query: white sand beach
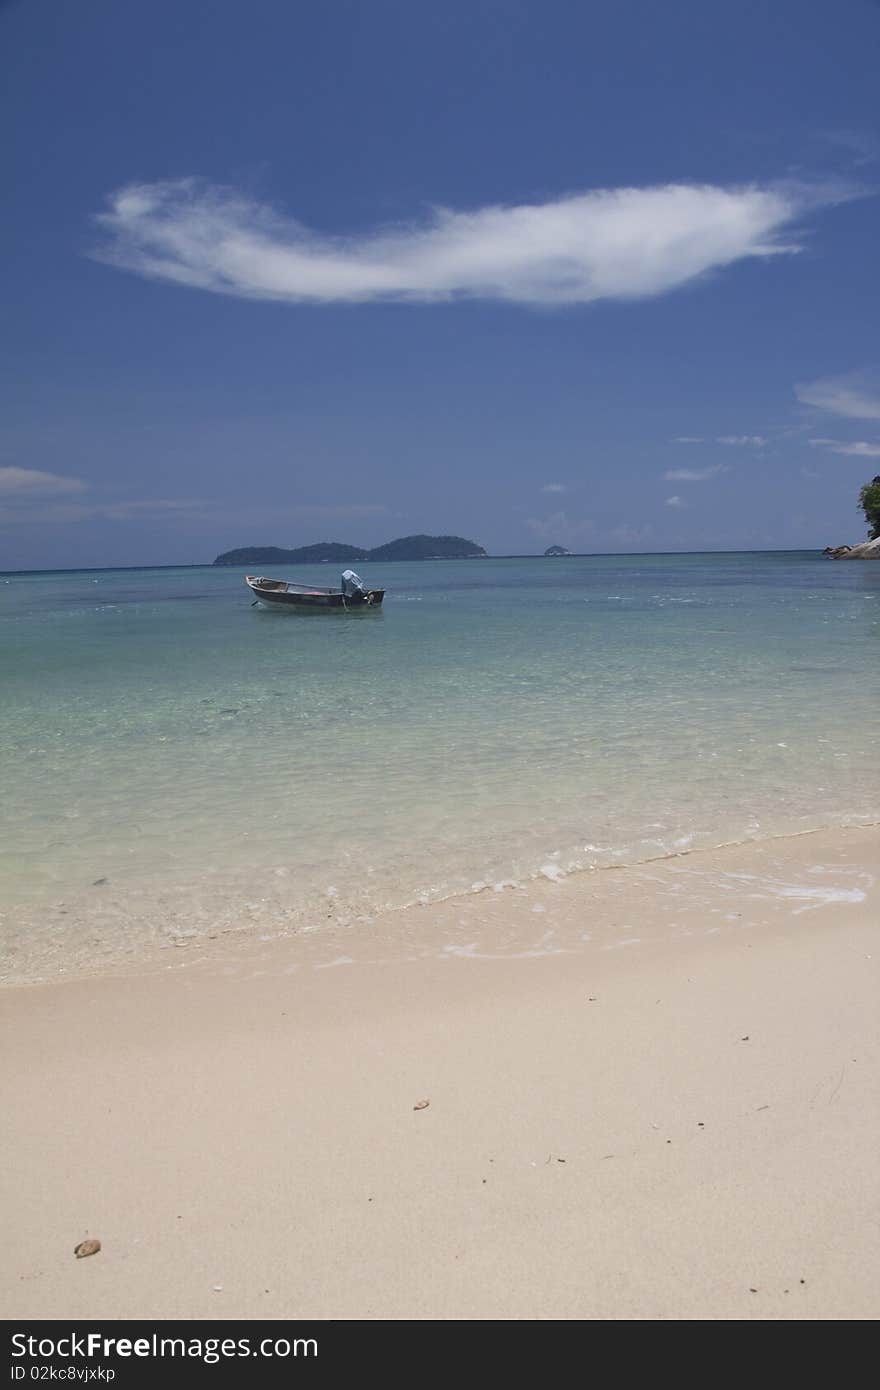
679	1126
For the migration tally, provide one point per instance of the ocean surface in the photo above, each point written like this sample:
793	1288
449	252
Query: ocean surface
176	763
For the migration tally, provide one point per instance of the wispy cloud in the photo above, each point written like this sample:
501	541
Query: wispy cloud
189	509
862	146
693	475
156	507
675	502
561	529
554	487
629	534
32	482
859	448
198	509
71	512
855	395
320	511
623	243
743	441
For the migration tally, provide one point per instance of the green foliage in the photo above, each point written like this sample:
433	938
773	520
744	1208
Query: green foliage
262	555
869	501
428	548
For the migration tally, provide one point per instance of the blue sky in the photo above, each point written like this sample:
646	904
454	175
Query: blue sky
596	274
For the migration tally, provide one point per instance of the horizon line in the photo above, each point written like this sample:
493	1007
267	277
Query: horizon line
439	559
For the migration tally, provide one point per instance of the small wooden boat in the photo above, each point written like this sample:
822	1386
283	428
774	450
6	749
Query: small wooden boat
275	593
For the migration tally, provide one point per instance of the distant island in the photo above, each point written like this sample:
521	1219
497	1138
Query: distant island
336	552
556	550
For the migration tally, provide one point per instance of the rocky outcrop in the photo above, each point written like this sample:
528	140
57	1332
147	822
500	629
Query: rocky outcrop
868	550
556	550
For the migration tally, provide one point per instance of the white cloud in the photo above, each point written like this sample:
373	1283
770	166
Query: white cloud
693	475
688	439
30	482
675	502
859	448
554	487
622	243
856	395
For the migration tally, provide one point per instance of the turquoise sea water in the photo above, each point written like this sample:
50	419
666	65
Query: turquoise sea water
175	762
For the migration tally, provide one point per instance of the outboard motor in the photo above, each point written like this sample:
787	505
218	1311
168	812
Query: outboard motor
353	587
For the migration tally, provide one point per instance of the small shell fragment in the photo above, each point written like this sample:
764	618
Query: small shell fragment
87	1247
421	1105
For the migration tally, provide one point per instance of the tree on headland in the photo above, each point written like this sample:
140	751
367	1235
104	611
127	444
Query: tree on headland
869	501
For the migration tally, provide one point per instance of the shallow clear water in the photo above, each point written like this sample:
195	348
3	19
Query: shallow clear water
176	762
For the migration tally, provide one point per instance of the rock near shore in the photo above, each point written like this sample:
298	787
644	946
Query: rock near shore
868	550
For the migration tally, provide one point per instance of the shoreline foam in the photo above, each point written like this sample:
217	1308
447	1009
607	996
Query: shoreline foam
362	932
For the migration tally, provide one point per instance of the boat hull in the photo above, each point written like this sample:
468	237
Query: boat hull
275	593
